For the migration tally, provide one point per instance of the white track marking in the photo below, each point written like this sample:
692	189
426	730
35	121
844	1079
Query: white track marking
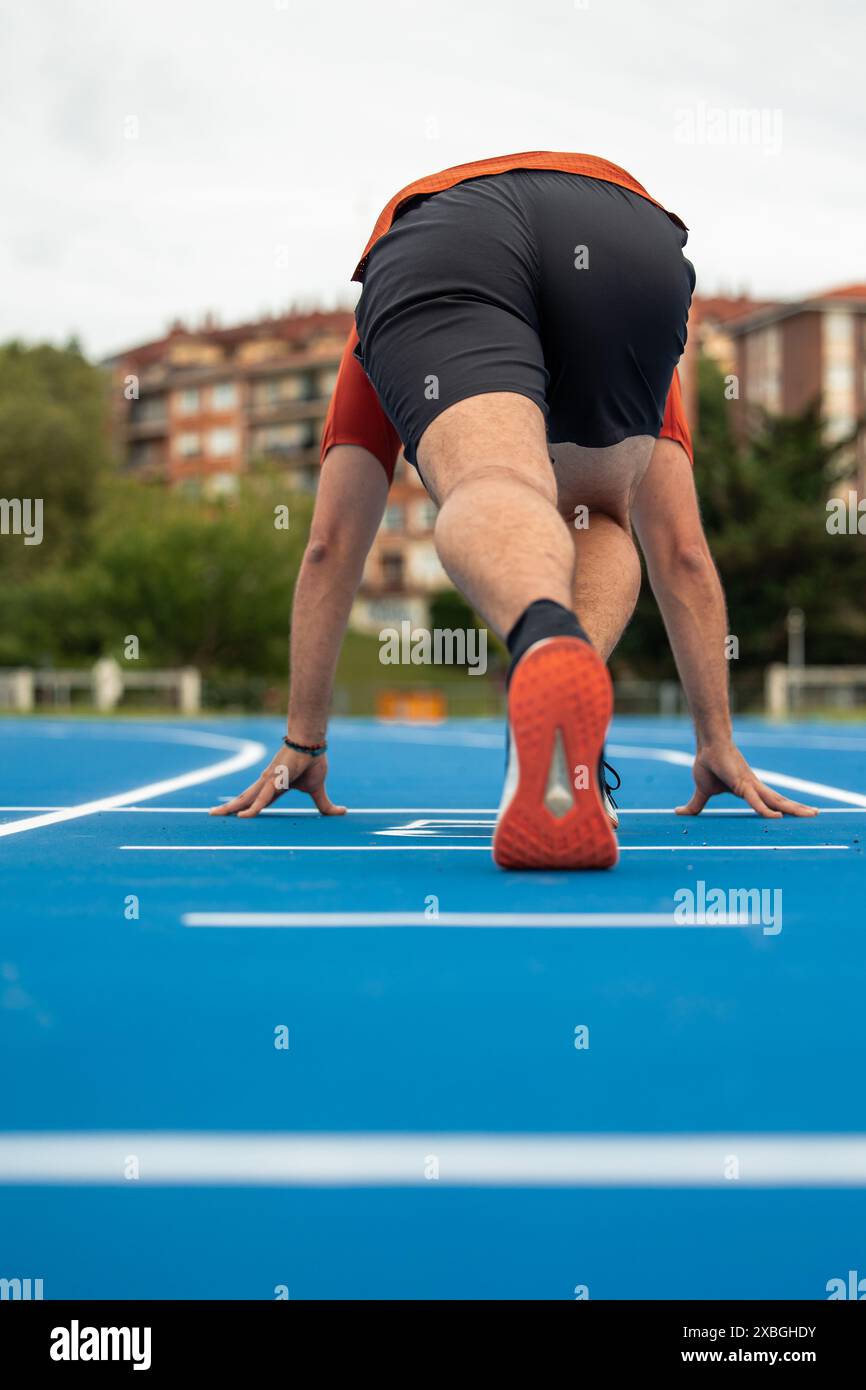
729	811
290	810
428	810
568	920
250	752
467	849
311	849
464	1160
246	752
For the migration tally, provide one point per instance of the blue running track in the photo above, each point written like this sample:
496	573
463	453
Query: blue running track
349	1058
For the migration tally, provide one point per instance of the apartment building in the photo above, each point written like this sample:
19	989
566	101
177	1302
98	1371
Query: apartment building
403	569
711	324
198	408
789	355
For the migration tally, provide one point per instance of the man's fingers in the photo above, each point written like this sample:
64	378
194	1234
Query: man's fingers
785	804
267	794
752	795
696	805
324	804
230	808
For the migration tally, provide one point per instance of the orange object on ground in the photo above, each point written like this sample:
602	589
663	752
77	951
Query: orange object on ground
423	706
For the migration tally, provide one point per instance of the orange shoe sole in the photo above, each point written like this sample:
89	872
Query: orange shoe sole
552	816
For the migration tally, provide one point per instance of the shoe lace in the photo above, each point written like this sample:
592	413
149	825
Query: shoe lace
606	768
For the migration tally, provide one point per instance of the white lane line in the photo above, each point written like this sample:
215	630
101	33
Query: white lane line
467	849
461	1160
308	810
312	849
568	920
250	752
246	752
744	811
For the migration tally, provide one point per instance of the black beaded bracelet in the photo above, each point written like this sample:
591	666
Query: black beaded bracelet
313	751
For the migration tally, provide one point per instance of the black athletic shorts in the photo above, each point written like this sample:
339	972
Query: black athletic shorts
563	288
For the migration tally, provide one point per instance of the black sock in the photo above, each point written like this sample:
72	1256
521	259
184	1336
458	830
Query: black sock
543	618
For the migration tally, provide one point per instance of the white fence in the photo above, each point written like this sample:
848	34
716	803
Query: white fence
789	690
105	684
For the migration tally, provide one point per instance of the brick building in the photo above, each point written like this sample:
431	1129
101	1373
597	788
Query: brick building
791	354
198	408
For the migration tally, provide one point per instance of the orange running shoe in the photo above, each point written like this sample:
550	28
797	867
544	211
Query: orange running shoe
552	814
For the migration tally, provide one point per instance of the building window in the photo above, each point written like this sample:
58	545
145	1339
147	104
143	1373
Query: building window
839	426
146	455
395	518
424	567
189	445
392	569
424	515
284	439
188	401
150	410
838	377
839	331
273	390
224	395
764	368
221	485
327	380
222	442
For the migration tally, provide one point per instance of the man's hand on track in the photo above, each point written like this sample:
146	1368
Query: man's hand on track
288	770
722	768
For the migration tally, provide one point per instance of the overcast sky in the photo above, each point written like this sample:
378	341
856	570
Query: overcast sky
163	158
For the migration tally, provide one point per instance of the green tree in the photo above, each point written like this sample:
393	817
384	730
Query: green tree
202	584
763	504
54	446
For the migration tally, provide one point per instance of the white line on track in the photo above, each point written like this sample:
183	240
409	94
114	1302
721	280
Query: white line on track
745	811
462	1160
567	920
294	810
249	752
245	753
693	848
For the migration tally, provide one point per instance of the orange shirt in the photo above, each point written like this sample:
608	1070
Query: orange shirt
355	415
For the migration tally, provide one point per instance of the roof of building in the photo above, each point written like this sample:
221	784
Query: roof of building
843	292
294	328
762	316
725	308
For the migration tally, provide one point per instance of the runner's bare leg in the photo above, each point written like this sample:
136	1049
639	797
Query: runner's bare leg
498	534
595	490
